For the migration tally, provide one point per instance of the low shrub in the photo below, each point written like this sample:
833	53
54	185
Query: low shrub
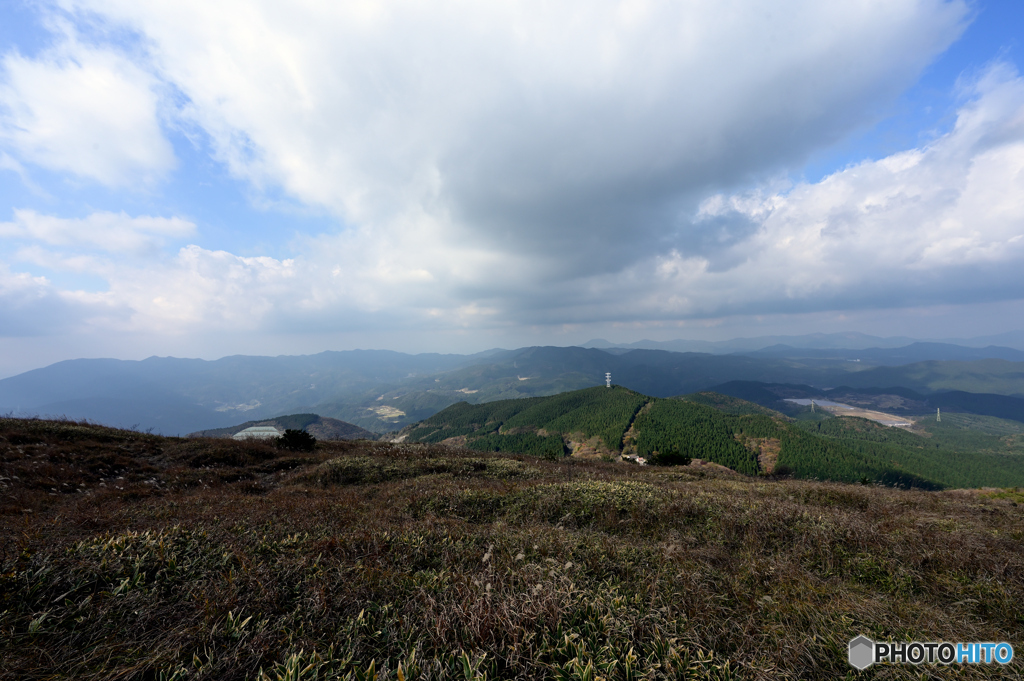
296	441
670	457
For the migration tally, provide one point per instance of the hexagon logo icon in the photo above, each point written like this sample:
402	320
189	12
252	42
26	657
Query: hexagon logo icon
862	652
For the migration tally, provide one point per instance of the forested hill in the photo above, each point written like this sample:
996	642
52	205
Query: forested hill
320	427
619	423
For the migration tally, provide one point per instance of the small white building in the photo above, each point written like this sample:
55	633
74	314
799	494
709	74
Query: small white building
257	433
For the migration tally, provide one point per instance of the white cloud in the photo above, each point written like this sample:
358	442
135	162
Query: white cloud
31	306
202	289
509	163
193	291
938	225
85	110
529	126
113	232
934	226
943	223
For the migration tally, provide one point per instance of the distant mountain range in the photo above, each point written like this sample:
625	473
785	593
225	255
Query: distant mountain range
893	399
382	391
177	396
907	354
819	341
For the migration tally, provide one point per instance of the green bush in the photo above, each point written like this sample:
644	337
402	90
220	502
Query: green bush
296	440
670	457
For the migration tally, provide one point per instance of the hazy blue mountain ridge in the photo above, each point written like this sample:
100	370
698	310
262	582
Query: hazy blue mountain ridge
383	391
915	352
177	396
773	396
834	341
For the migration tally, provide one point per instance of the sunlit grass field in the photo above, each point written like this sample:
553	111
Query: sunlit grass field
130	556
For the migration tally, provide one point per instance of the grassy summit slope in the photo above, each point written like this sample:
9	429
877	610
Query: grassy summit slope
129	556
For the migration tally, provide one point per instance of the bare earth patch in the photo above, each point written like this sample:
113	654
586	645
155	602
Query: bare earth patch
767	449
870	414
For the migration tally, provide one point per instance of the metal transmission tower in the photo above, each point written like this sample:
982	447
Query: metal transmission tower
608	380
938	414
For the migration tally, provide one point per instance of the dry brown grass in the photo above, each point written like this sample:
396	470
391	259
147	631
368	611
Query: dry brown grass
216	559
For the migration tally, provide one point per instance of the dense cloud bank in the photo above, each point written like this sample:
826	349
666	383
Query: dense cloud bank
510	163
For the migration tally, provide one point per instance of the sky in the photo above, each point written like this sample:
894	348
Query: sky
202	179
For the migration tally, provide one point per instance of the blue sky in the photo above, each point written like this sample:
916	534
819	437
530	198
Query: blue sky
203	179
928	107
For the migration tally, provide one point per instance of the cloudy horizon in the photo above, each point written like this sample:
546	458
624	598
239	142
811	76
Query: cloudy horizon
205	179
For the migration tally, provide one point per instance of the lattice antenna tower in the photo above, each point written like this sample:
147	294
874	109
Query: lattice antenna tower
608	379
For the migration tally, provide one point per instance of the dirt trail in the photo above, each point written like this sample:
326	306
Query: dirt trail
627	437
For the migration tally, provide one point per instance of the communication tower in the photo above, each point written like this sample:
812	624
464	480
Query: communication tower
608	379
938	414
